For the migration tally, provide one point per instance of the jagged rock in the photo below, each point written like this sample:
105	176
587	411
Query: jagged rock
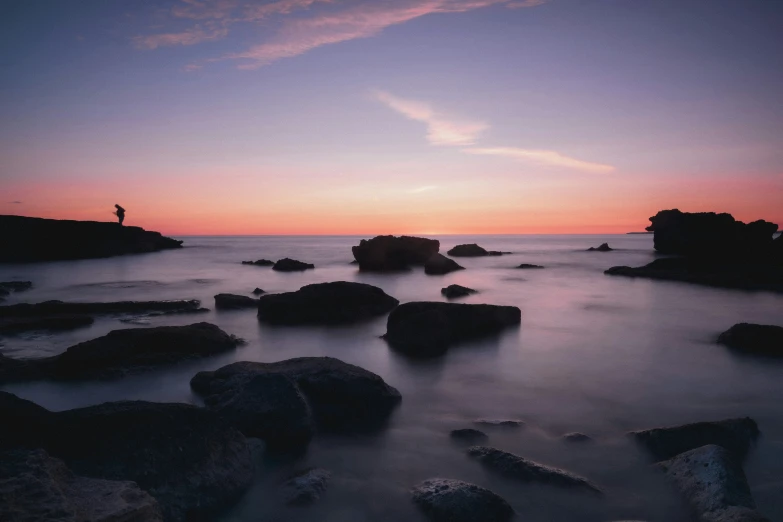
736	435
446	500
576	437
713	483
502	423
48	308
35	486
455	291
326	303
469	435
516	467
429	328
323	393
760	339
528	266
234	302
258	291
27	239
305	487
468	250
49	322
389	253
291	265
439	264
604	247
259	262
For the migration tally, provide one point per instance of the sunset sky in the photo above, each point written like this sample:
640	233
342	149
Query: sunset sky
391	116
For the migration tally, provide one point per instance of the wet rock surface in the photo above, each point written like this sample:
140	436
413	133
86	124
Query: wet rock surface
758	339
439	264
234	302
528	266
291	265
456	291
446	500
305	487
390	253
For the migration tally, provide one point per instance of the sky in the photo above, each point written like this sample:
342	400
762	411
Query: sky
391	116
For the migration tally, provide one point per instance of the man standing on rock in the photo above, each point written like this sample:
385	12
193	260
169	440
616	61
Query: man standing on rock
120	213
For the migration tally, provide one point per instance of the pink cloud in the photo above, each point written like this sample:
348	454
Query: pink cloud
190	36
543	157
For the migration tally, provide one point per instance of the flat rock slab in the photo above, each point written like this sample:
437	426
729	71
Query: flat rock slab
439	264
736	435
234	302
761	339
291	265
305	487
500	423
456	291
391	253
518	468
446	500
339	302
528	266
48	308
468	435
713	483
57	322
259	262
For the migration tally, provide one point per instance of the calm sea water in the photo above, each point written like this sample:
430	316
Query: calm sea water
597	354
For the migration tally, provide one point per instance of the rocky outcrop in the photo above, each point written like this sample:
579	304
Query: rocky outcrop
761	339
528	266
468	250
576	437
6	287
518	468
305	487
456	291
259	262
446	500
291	265
27	239
339	302
714	485
186	457
429	328
603	247
258	291
468	435
736	435
439	264
234	302
389	253
35	486
285	402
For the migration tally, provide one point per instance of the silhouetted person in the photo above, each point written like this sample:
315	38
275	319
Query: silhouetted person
120	213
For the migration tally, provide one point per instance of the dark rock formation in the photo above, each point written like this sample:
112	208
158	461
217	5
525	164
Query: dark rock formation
28	239
455	291
603	247
713	483
35	486
468	250
445	500
321	392
759	339
6	287
306	487
389	253
501	423
439	264
259	262
528	266
48	308
429	328
514	466
258	291
576	437
736	435
339	302
48	322
291	265
469	435
186	457
234	302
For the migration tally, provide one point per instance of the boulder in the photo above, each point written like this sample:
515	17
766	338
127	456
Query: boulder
576	437
518	468
389	253
339	302
762	339
439	264
258	291
49	322
714	485
469	435
736	435
27	239
35	486
468	250
259	262
604	247
455	291
291	265
429	328
306	487
446	500
234	302
528	266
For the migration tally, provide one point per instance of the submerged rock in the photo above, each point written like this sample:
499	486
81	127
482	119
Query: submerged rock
469	435
736	435
35	486
6	287
446	500
468	250
528	266
339	302
233	302
759	339
305	487
258	291
259	262
49	322
429	328
291	265
439	264
501	423
389	253
713	483
455	291
516	467
604	247
27	239
576	437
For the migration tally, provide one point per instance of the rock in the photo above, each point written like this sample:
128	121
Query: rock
184	456
389	253
527	266
27	239
258	291
455	291
713	483
339	302
445	500
259	262
341	397
469	435
604	247
7	287
501	423
35	486
576	437
514	466
48	308
234	302
291	265
759	339
305	487
429	328
469	250
439	264
497	253
736	435
49	322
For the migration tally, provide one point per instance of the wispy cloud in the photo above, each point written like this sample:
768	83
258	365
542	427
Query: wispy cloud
419	190
441	129
192	36
544	157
